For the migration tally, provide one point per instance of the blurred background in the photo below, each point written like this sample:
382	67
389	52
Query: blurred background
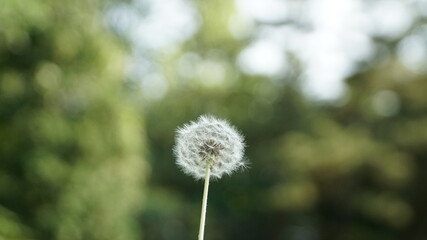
331	96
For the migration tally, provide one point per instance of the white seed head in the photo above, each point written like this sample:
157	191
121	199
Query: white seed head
209	139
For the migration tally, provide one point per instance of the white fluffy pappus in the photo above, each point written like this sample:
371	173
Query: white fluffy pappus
212	140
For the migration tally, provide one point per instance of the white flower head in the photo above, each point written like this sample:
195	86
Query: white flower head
209	140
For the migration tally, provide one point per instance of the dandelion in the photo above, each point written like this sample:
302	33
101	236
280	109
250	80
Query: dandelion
208	148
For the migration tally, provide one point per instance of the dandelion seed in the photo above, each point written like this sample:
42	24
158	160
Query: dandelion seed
209	141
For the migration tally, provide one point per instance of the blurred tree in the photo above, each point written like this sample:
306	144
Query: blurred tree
354	170
70	141
358	169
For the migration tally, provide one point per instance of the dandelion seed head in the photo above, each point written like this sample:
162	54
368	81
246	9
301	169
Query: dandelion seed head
212	140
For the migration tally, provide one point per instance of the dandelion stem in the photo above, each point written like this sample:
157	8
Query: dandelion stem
204	202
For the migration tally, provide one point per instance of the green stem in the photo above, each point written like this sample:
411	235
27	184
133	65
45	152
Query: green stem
204	202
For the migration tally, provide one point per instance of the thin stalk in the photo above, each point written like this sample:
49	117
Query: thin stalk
204	202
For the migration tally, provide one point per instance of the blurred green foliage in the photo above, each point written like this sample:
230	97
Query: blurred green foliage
72	137
349	170
71	142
